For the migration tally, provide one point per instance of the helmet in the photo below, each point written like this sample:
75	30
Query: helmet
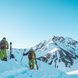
31	49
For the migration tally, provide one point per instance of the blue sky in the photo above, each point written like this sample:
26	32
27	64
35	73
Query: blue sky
28	22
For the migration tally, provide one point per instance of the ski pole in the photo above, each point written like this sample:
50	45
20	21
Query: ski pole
22	56
21	59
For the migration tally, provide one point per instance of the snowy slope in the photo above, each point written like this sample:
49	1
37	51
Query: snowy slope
11	69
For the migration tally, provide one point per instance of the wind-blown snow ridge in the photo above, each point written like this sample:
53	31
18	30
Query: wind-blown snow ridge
73	72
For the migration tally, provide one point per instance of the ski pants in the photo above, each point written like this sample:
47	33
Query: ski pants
3	54
31	64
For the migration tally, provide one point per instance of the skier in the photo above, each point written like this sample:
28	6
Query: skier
3	46
32	58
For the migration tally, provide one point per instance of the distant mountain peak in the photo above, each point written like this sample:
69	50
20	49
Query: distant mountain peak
58	50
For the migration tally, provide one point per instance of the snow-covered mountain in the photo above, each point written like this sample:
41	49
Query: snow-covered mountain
60	52
57	58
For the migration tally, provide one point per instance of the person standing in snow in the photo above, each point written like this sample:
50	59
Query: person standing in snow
32	58
3	46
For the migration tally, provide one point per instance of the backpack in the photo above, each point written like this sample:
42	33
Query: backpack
30	55
3	44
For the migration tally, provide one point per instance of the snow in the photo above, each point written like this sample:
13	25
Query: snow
11	69
20	69
73	72
17	69
62	44
53	50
